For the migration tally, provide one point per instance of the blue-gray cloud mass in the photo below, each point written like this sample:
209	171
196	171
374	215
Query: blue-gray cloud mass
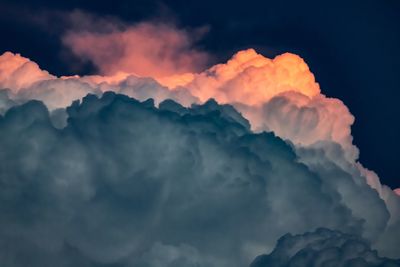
112	181
323	247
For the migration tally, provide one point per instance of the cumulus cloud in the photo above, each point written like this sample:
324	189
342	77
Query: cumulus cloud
352	181
274	94
124	175
323	247
178	180
18	72
59	92
253	79
127	183
279	94
304	120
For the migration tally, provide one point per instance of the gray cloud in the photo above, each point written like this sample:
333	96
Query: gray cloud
124	183
323	247
5	101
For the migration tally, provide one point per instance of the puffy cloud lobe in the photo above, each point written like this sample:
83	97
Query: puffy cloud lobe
323	247
252	79
388	195
305	121
124	181
352	182
18	72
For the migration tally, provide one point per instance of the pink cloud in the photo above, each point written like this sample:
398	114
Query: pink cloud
145	49
397	191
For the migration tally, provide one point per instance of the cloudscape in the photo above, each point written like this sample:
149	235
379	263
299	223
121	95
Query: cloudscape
165	157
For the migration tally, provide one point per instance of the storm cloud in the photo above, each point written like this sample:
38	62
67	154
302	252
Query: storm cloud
161	161
322	248
125	183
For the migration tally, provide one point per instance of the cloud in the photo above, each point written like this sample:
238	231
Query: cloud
25	81
127	183
322	248
150	49
278	95
353	183
274	94
18	72
123	175
253	79
397	191
161	255
112	180
5	102
304	120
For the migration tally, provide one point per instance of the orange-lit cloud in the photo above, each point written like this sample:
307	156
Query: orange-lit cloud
253	79
18	72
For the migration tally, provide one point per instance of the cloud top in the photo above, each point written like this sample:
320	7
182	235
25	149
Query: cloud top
18	72
253	79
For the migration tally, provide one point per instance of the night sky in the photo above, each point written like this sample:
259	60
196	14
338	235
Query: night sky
352	47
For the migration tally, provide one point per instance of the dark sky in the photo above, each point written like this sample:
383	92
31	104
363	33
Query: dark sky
352	47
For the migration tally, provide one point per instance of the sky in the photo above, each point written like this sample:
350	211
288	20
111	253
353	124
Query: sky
207	134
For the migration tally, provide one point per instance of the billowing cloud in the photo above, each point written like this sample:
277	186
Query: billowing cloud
279	95
113	181
252	79
322	248
275	95
18	72
127	183
27	81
